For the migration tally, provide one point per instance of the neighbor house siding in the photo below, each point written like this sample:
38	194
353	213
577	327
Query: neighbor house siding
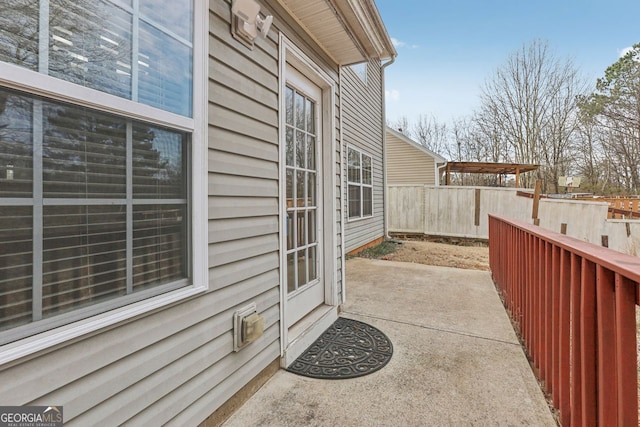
407	164
363	130
177	365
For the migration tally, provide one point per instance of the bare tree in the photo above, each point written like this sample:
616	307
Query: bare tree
401	125
431	133
531	103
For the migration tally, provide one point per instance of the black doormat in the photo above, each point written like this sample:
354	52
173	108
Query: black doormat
347	349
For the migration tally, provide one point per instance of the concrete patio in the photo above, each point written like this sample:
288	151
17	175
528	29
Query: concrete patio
456	359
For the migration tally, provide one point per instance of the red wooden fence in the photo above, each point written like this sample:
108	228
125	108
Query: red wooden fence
574	304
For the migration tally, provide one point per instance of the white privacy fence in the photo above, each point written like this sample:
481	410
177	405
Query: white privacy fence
463	212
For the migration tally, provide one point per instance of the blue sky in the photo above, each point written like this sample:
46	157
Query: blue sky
448	48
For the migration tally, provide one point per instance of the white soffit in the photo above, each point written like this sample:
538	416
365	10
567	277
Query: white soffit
350	31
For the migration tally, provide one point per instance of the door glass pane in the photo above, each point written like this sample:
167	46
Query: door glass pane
300	149
299	111
311	220
290	230
311	152
291	272
302	268
84	153
311	188
310	115
90	44
290	187
16	145
300	190
16	265
19	33
289	147
313	270
288	103
301	229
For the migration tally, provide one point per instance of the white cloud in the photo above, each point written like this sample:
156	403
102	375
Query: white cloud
397	43
392	95
623	52
400	44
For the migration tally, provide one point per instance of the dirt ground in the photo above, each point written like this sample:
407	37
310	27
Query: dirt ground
446	255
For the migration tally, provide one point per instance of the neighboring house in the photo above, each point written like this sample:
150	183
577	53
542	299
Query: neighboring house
363	135
159	171
409	162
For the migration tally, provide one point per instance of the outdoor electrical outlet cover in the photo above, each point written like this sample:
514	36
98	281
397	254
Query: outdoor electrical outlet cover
252	328
248	325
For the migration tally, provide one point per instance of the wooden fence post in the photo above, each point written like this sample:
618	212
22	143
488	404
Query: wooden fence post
536	202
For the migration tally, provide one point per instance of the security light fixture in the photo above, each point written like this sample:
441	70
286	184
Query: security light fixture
247	22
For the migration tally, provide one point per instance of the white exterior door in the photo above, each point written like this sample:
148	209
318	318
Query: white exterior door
303	281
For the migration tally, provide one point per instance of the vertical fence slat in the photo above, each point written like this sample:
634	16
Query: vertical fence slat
522	266
607	387
541	310
627	373
588	343
534	302
576	340
564	339
547	316
530	292
555	328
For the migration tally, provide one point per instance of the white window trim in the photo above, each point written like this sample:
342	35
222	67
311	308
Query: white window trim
360	184
35	83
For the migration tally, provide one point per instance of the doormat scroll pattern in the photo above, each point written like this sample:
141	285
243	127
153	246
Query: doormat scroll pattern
347	349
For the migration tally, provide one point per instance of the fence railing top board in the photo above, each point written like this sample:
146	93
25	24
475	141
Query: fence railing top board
618	262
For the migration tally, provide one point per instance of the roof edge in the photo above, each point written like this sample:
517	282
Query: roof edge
364	21
404	138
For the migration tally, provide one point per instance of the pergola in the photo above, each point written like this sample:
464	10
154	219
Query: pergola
489	168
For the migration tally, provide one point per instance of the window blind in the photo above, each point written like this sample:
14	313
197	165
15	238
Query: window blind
16	265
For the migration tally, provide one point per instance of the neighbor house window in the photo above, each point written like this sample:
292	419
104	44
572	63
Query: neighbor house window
94	201
360	184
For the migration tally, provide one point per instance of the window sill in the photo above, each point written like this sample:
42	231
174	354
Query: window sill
54	337
360	218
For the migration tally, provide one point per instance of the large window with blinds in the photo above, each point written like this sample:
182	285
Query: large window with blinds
360	184
95	200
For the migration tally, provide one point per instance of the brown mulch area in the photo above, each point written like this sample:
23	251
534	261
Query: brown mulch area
441	254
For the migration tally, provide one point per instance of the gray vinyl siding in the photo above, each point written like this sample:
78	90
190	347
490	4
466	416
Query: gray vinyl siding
407	164
176	366
363	130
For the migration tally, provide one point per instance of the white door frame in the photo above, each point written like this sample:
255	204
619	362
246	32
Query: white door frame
291	54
